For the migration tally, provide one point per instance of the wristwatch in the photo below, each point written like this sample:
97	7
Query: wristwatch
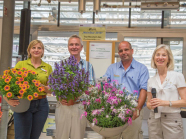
138	111
170	104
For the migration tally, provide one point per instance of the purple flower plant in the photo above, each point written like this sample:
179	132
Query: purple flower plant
68	81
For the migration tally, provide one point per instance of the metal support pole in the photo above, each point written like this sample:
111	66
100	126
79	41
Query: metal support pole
93	19
6	55
162	20
129	25
28	5
162	24
58	19
161	40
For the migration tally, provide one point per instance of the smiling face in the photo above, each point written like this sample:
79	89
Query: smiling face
161	58
125	51
74	46
36	51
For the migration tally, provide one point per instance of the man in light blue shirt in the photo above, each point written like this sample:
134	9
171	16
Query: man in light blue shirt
133	76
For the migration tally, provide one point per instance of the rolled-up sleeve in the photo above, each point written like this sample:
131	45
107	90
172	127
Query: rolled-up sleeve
144	76
108	72
91	75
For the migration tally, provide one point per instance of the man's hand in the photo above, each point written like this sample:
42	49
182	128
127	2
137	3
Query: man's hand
64	102
136	114
70	102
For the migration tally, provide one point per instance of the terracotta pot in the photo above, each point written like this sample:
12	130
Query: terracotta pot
71	102
108	132
22	107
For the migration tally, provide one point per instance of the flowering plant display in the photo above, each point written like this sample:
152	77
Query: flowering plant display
68	81
21	83
108	107
1	113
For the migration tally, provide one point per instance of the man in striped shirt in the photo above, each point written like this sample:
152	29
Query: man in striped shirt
67	116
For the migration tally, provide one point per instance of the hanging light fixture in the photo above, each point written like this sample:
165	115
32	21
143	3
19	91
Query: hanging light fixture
97	6
39	4
81	6
49	1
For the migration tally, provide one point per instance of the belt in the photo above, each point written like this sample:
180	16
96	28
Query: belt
41	97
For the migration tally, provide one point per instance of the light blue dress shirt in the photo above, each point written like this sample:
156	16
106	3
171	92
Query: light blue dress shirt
134	78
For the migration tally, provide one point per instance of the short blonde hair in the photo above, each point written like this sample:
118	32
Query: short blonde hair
170	64
32	43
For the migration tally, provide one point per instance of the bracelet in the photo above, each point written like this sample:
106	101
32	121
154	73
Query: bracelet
138	111
170	103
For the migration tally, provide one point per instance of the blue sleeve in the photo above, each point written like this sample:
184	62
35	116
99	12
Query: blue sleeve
108	73
91	75
144	78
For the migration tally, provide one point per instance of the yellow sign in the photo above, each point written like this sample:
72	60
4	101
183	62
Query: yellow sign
49	122
92	33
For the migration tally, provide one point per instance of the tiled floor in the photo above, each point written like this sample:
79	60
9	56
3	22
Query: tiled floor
93	135
43	136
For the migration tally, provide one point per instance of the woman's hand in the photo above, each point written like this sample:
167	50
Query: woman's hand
46	89
155	102
13	102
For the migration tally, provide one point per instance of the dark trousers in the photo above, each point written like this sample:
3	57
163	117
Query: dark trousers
29	124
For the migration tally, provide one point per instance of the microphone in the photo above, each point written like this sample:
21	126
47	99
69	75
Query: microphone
153	91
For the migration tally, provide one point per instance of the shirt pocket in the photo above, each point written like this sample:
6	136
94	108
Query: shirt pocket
116	77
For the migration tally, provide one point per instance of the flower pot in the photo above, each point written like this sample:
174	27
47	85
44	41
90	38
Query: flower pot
70	102
108	132
23	106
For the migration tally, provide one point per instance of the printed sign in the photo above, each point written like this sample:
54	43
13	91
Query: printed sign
92	32
100	50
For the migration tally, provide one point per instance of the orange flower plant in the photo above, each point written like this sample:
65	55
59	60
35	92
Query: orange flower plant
21	83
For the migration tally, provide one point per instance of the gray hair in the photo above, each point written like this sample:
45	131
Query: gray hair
76	36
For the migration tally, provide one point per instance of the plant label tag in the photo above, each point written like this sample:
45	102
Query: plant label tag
43	70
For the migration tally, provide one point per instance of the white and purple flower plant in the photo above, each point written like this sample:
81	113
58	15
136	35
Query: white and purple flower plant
107	106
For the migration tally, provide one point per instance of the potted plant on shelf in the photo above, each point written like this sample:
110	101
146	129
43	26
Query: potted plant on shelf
68	81
1	113
109	110
20	84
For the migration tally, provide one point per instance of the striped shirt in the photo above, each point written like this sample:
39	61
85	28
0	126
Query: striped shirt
88	67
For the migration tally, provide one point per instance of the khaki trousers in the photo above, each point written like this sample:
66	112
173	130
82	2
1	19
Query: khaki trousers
68	122
132	131
168	126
